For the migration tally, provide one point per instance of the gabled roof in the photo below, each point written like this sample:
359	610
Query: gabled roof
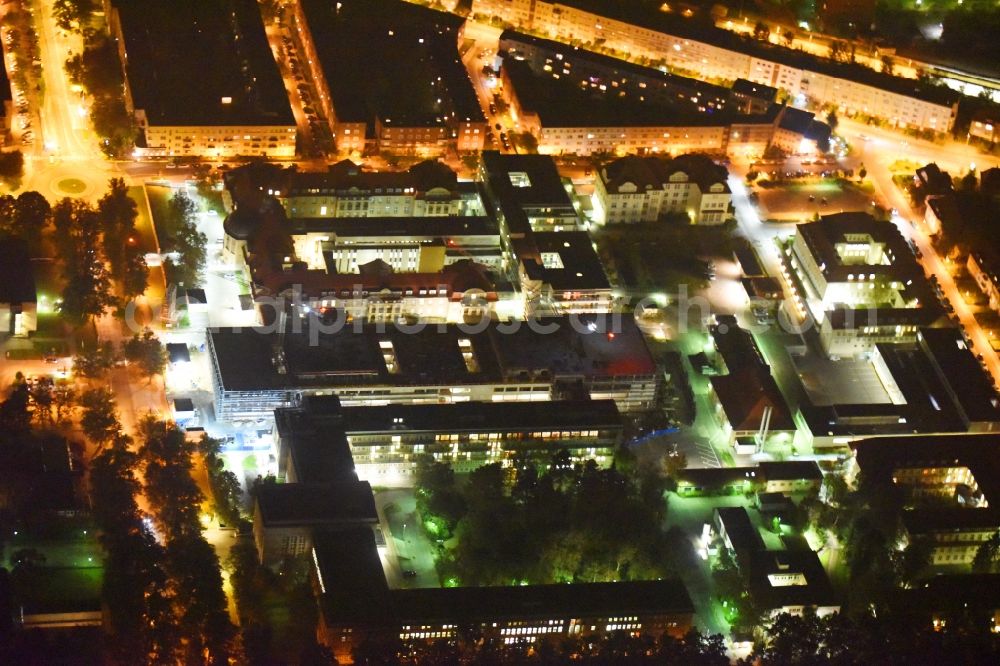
653	173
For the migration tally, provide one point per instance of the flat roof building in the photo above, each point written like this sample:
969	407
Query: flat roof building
385	441
356	604
331	515
258	370
692	48
934	385
952	486
201	78
858	281
391	69
18	297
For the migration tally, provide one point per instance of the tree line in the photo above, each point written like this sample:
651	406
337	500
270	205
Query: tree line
163	584
563	523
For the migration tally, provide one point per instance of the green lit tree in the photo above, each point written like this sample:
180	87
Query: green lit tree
146	353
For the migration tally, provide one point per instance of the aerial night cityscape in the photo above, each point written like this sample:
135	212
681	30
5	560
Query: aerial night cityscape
499	332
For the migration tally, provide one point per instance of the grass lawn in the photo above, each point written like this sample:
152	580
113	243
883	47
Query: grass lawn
661	256
212	200
66	588
159	204
144	220
292	618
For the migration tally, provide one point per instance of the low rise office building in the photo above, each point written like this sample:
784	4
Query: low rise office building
787	476
323	510
553	260
931	385
788	580
18	296
386	441
356	605
949	486
857	280
598	356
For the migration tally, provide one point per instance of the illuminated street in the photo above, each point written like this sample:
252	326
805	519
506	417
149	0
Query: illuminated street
599	347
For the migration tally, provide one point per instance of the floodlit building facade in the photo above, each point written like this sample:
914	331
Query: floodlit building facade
237	107
430	107
715	54
635	189
258	371
858	281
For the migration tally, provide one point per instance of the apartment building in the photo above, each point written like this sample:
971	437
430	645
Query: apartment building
238	107
390	77
714	54
643	189
566	118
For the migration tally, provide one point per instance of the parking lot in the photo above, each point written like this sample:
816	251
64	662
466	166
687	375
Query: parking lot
798	200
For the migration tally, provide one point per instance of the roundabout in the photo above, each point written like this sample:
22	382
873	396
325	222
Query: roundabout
72	186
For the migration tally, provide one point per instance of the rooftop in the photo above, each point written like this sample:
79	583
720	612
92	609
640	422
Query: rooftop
314	448
168	45
569	261
649	17
17	277
619	74
654	173
968	382
250	359
524	180
933	385
715	477
346	177
580	600
878	458
824	235
373	227
342	504
561	103
748	88
463	416
748	389
579	346
739	529
392	61
767	568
